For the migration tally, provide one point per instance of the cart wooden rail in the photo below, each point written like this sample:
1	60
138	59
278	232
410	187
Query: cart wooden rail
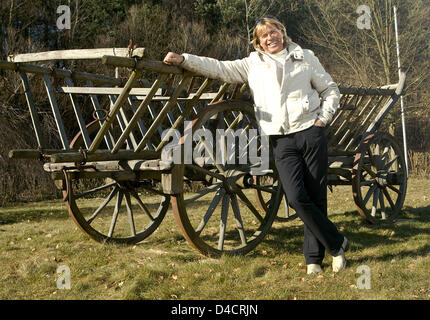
110	157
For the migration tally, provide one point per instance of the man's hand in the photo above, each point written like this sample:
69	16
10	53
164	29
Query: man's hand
173	58
319	123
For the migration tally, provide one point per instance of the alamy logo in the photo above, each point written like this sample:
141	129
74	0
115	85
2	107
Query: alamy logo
63	281
363	21
63	21
220	146
363	281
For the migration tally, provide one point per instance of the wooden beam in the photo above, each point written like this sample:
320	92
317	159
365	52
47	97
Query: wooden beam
59	73
8	65
79	116
33	113
208	96
96	78
33	153
56	112
114	165
138	114
114	110
189	106
140	123
172	182
124	175
122	119
105	91
150	65
94	100
368	91
76	54
161	116
116	175
104	155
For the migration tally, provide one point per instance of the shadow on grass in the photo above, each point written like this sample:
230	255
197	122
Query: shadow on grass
415	253
423	213
33	215
415	221
288	236
59	213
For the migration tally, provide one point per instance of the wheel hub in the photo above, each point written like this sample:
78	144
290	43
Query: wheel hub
381	178
234	180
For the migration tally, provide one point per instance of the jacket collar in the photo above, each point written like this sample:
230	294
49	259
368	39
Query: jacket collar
294	51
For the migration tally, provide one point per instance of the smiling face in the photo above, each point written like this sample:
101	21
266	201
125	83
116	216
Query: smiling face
271	39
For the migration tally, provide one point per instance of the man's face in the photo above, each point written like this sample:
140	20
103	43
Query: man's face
271	39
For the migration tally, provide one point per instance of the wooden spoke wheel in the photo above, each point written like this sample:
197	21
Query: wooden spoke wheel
285	212
115	211
379	179
224	218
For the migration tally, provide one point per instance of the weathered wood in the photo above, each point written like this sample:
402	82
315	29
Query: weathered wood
149	65
114	110
123	123
138	114
220	92
99	166
25	154
106	91
208	96
185	113
8	65
116	175
346	119
383	91
96	78
153	113
163	112
94	100
341	162
56	112
59	73
351	116
136	93
58	176
336	179
76	54
33	153
172	182
33	113
78	115
344	99
341	172
359	128
140	123
104	155
361	113
332	152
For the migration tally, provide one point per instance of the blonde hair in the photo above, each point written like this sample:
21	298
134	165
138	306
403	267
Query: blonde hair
269	21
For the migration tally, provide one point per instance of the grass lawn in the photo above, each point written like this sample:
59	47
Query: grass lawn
37	238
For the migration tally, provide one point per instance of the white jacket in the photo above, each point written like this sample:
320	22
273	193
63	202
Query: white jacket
292	102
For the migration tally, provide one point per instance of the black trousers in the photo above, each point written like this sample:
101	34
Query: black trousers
302	161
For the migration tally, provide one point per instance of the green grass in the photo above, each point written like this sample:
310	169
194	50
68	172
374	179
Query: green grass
37	238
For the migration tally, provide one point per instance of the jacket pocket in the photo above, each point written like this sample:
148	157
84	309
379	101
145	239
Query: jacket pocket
296	109
311	103
305	104
314	102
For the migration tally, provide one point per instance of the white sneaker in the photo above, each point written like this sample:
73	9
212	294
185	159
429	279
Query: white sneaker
339	261
313	268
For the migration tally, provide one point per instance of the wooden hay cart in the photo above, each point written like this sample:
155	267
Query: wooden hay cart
107	158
